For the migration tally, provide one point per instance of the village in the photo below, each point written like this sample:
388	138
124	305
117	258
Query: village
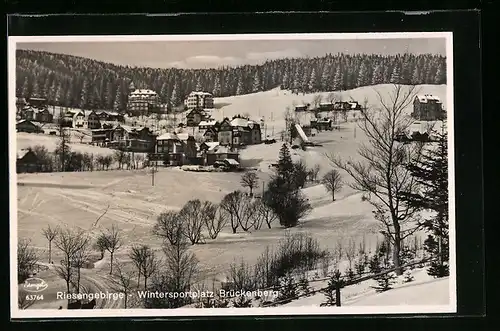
190	135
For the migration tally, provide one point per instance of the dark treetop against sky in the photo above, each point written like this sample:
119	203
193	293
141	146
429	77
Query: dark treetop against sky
213	54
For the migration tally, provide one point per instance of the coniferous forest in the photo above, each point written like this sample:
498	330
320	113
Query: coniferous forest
78	82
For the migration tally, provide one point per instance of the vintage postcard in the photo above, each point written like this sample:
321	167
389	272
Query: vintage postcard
204	175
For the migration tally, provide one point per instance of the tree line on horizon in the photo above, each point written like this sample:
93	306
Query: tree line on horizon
78	82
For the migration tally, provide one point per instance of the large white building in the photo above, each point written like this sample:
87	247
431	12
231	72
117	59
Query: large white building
199	100
141	101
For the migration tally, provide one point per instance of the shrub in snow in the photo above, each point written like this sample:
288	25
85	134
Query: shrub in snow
408	277
335	282
215	302
375	264
288	289
350	274
316	275
438	270
242	302
241	277
385	282
361	264
304	286
407	255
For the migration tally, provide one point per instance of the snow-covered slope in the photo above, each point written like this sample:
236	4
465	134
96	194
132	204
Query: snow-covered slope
272	105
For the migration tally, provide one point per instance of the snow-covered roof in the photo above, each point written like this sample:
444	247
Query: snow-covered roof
126	127
207	123
143	92
221	149
232	162
240	122
30	121
76	114
424	98
325	104
168	136
21	153
200	93
212	145
183	136
109	122
300	106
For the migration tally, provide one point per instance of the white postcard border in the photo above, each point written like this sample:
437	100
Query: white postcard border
17	313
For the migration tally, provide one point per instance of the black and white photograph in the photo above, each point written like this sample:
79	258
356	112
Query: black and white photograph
216	175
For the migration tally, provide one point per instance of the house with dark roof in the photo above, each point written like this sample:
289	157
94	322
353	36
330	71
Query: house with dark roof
221	153
239	132
44	116
176	148
28	127
346	105
132	139
195	116
321	124
210	134
27	161
428	107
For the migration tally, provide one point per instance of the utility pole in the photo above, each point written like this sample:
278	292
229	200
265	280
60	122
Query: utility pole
153	170
263	188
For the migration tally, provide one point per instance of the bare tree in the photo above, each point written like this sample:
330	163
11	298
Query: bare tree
249	214
122	282
192	215
350	252
138	160
120	156
50	234
138	255
333	182
232	203
69	242
100	246
382	173
317	101
180	268
314	172
150	266
26	259
250	180
80	136
290	119
169	226
332	97
217	223
266	213
113	242
80	259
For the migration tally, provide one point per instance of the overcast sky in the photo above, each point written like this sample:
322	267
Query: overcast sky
213	54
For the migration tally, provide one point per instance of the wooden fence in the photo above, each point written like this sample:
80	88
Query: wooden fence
345	282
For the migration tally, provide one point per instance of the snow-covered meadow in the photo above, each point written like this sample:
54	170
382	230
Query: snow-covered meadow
128	199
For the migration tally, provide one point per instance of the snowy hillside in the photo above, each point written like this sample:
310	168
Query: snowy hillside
272	105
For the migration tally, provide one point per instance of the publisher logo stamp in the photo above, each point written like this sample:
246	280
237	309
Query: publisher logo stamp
35	285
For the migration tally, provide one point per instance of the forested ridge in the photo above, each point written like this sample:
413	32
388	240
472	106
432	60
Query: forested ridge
79	82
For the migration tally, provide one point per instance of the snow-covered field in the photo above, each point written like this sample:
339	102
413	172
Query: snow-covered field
272	105
129	200
437	292
25	140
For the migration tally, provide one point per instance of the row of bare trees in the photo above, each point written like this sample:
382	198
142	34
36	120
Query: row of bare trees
77	161
236	209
